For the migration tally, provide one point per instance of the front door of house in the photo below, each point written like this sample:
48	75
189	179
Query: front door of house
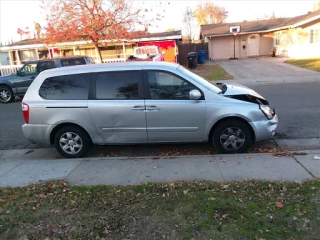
253	45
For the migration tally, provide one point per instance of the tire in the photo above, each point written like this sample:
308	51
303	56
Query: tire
6	94
72	142
232	136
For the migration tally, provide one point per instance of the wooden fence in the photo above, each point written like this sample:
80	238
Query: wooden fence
185	48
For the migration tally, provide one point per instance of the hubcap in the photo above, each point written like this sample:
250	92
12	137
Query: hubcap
232	138
71	143
4	95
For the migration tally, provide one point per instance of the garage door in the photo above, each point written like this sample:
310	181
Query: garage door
222	47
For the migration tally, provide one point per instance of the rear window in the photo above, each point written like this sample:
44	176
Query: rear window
67	87
72	62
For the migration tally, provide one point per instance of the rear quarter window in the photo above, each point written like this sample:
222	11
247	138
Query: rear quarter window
66	87
72	62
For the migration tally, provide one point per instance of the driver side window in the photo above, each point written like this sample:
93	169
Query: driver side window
30	68
165	85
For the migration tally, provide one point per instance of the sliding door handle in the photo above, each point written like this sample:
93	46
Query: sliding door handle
152	108
138	108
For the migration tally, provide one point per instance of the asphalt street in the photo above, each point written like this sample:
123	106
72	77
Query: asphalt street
297	105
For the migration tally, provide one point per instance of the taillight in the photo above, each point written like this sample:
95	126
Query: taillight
25	110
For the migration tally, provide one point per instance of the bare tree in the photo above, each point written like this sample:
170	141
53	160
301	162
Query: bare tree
170	30
188	21
210	13
267	17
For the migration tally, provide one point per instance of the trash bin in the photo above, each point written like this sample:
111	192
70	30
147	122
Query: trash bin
192	59
201	56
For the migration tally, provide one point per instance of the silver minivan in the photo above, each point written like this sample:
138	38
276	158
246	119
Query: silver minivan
141	102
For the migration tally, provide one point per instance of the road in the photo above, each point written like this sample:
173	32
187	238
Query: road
297	105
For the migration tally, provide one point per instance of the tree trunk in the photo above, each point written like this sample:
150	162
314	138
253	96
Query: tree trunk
96	47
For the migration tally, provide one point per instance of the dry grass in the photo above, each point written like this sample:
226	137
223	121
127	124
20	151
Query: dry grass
309	63
179	210
212	72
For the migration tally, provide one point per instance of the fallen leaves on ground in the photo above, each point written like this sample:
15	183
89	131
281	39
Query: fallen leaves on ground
282	154
182	210
108	154
266	149
279	204
183	152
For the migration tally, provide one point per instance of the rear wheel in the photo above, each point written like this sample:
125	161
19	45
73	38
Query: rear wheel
6	94
232	136
72	142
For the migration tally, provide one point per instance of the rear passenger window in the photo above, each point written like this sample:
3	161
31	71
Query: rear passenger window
67	87
119	85
45	65
72	62
90	60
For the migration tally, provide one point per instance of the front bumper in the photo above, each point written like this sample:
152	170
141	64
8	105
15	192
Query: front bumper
37	133
265	130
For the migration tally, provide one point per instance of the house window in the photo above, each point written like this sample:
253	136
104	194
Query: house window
315	36
277	38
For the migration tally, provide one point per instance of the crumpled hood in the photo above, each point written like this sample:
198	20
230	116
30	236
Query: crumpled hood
6	77
243	93
237	89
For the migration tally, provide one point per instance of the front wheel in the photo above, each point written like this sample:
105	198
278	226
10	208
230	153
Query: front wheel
232	136
72	142
6	94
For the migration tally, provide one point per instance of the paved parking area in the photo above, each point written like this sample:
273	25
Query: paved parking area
267	70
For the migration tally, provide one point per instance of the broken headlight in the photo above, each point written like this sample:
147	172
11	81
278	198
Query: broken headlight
268	112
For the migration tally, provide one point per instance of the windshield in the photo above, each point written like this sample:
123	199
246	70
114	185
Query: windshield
211	86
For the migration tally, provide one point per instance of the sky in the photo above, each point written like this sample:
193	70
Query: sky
16	14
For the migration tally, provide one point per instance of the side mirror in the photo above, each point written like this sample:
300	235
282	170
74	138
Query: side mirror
18	73
195	94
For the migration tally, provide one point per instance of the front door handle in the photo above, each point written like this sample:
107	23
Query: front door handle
32	78
139	108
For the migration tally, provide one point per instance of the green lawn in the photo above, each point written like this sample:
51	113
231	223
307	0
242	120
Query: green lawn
309	63
211	72
179	210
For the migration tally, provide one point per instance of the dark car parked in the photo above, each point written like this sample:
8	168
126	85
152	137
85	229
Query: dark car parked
17	84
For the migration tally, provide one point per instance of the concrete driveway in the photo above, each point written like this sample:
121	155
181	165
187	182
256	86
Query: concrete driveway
266	70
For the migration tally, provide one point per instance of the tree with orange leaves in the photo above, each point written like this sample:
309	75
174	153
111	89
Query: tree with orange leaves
209	13
92	20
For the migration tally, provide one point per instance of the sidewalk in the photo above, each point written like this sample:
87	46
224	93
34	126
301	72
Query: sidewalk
23	167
